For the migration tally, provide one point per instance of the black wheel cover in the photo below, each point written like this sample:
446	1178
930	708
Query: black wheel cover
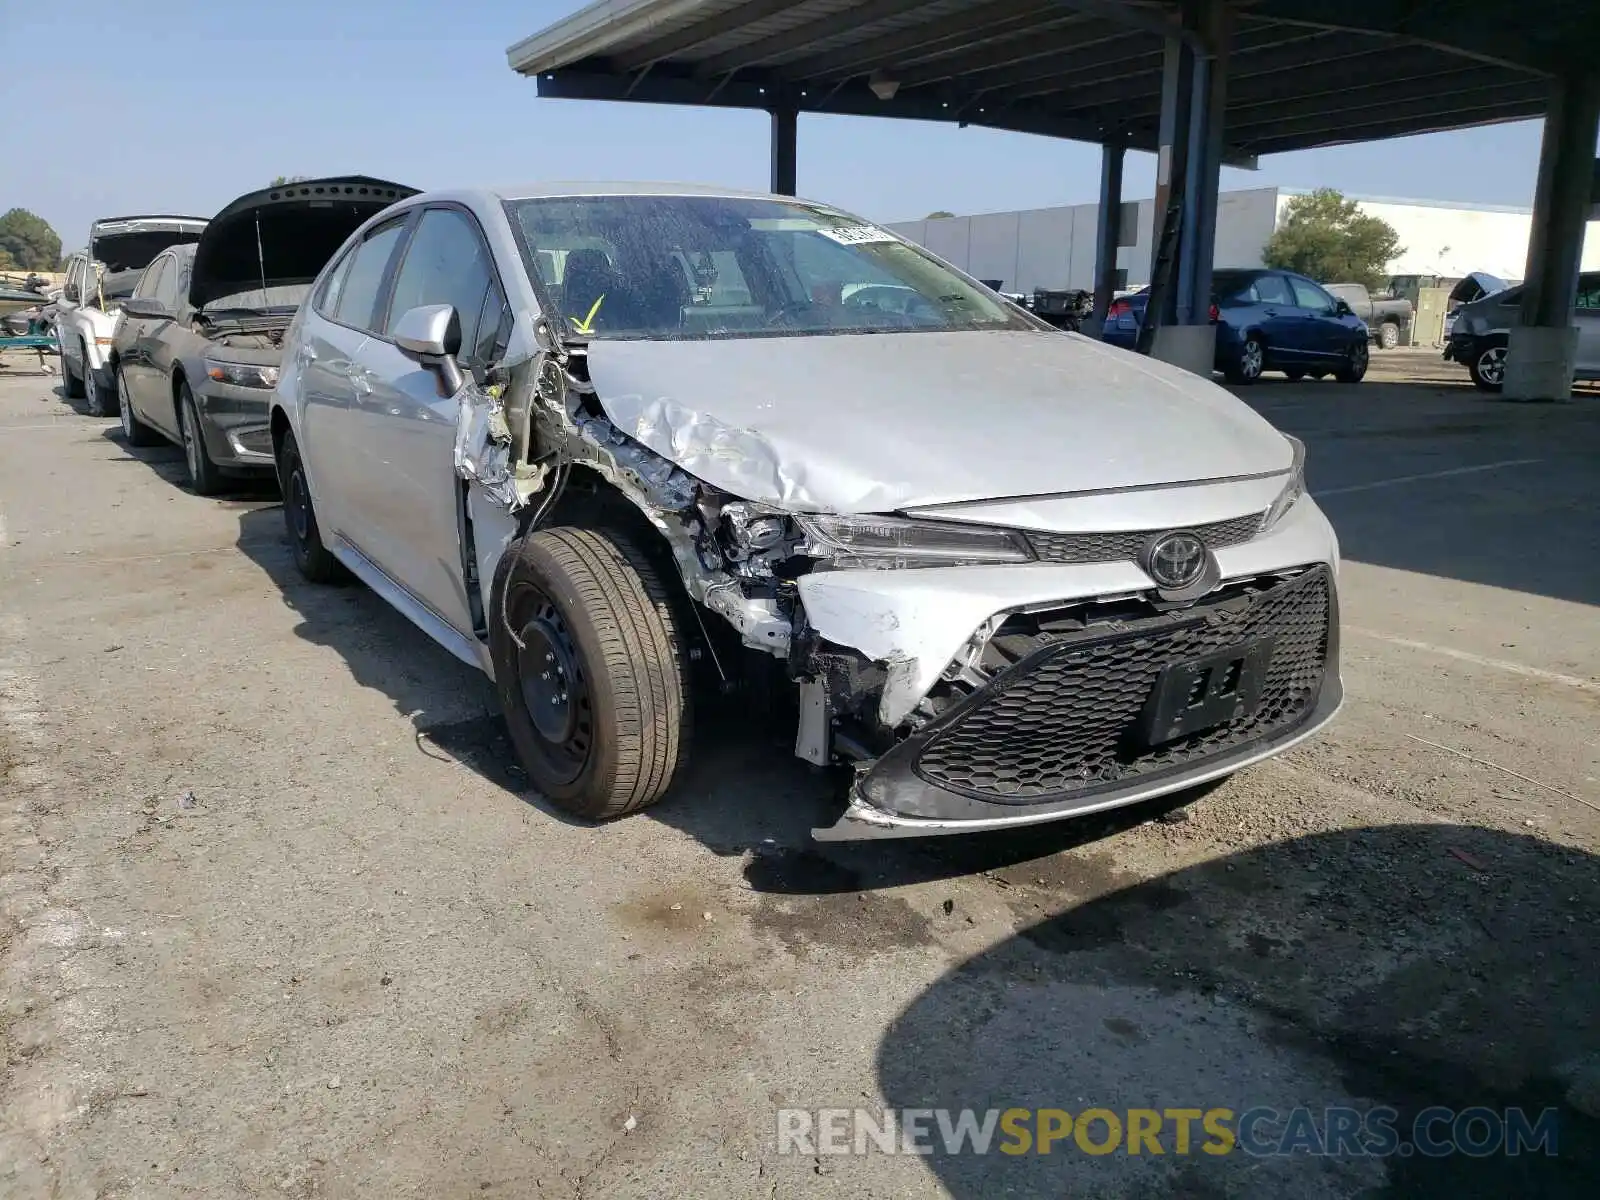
551	681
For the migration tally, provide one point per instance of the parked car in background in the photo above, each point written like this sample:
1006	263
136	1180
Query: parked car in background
1388	319
196	351
1482	329
1266	321
98	279
588	436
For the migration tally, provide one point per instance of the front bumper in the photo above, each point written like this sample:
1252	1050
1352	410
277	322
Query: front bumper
1057	734
237	423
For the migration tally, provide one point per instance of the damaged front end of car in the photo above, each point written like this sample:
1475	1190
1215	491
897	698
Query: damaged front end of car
971	676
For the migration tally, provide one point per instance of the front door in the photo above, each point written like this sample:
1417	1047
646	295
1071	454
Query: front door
1324	335
406	429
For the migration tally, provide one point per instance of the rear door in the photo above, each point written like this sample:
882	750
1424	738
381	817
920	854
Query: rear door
158	348
141	333
1280	317
67	314
339	323
406	429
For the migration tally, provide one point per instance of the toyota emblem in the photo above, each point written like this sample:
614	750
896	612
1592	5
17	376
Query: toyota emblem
1175	560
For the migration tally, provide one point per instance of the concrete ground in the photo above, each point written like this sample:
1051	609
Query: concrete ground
278	918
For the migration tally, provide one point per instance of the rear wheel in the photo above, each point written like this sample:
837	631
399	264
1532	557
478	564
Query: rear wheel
204	478
300	518
1251	362
1354	368
591	671
135	431
1487	366
1388	335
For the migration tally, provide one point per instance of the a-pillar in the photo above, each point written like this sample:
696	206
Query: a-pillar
1543	346
785	149
1108	225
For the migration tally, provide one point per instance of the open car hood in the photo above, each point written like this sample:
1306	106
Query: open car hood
857	423
1476	286
125	244
283	235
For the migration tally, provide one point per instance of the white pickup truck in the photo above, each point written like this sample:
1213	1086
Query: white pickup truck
98	279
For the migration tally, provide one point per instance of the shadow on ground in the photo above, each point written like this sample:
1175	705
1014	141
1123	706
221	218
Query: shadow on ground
1406	966
745	793
1451	482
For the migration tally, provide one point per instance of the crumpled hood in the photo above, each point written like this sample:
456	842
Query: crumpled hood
884	422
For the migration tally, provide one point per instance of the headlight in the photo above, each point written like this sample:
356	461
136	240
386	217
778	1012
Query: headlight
867	541
1292	491
242	374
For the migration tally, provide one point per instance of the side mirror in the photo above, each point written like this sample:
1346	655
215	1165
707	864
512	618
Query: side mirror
430	335
152	310
1342	308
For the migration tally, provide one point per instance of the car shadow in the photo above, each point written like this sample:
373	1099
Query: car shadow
743	793
1406	966
166	460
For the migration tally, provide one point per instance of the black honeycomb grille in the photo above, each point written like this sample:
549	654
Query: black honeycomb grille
1125	547
1064	720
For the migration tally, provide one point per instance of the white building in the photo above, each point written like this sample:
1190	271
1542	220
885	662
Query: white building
1054	247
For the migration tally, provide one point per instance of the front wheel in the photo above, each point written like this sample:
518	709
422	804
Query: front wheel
204	478
1252	360
1388	335
1487	366
1354	368
96	398
69	378
591	671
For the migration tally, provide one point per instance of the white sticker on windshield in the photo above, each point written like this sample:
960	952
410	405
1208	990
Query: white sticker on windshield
856	235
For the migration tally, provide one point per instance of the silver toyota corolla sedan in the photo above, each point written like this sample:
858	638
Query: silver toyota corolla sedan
601	440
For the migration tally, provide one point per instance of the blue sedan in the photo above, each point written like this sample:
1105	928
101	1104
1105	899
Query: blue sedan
1267	321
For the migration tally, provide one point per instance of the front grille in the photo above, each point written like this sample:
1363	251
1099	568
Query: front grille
1063	722
1125	547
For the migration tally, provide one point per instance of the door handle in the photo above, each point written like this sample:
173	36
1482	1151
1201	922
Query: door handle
1271	312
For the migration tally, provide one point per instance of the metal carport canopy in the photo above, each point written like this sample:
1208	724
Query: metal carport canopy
1301	73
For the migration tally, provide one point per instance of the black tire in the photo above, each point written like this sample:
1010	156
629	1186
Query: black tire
1487	364
612	696
1388	335
70	381
204	478
1295	374
134	431
97	403
1354	367
300	518
1251	361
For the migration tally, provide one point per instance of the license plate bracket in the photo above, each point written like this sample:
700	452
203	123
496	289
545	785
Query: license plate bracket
1202	693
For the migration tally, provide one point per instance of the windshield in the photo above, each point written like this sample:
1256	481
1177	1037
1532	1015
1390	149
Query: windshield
678	267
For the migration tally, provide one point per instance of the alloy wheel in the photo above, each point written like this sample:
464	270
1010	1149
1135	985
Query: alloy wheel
125	409
191	448
1251	359
1492	365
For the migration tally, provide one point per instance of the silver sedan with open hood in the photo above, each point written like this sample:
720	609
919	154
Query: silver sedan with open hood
195	353
607	441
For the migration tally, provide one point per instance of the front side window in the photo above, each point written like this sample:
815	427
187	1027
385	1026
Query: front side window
1309	295
166	291
146	287
358	298
446	262
678	267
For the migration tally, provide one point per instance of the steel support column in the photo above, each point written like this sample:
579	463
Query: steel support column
1108	225
1543	346
785	149
1207	117
1177	93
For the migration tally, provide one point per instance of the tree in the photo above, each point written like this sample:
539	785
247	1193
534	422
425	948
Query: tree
934	216
29	241
280	180
1329	238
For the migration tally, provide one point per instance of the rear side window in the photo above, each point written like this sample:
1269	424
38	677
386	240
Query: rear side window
447	263
1273	289
358	297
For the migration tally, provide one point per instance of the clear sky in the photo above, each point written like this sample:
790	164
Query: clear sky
115	107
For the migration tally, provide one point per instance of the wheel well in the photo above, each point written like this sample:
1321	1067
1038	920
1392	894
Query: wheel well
179	379
280	426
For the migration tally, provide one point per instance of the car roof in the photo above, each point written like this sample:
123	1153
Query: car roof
560	189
